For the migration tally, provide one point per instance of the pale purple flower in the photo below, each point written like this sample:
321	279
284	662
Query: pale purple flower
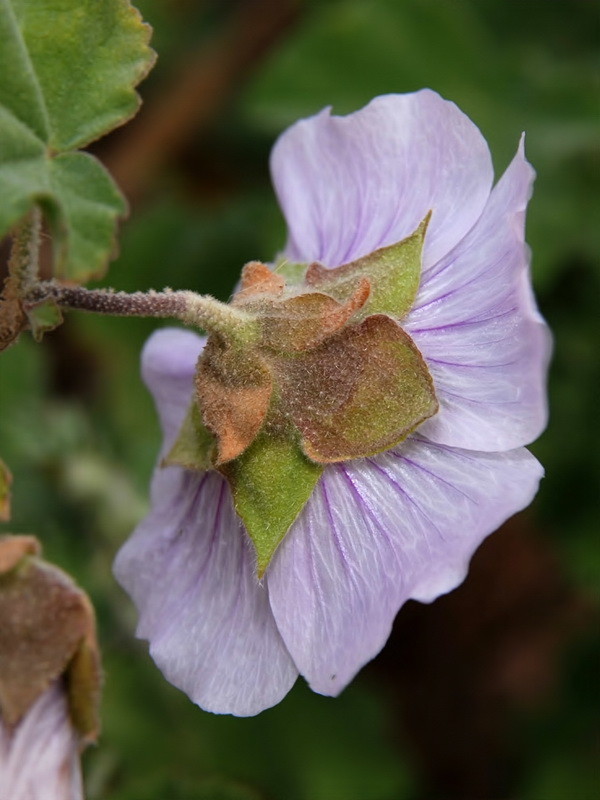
376	531
39	757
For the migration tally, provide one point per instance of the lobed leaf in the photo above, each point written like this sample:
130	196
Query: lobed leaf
68	69
83	214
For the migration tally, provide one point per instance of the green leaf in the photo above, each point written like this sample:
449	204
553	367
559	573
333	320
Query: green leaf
20	92
271	482
394	273
194	446
88	202
68	74
69	67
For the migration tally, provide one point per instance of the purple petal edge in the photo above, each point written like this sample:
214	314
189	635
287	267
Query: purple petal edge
349	185
477	325
191	570
378	532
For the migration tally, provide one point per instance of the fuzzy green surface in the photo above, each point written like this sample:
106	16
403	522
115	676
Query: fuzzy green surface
68	75
194	446
271	482
43	317
394	273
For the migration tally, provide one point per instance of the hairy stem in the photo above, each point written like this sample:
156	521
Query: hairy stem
200	311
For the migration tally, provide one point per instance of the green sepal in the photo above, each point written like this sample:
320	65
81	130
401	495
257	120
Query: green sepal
293	273
79	198
394	273
68	76
84	682
43	317
271	483
194	446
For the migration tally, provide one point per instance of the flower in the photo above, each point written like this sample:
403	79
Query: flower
39	758
376	531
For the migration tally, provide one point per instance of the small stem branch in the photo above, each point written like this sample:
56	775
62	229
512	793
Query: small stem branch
24	255
22	274
119	304
200	311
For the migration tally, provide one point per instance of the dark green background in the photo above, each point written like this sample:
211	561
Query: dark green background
488	693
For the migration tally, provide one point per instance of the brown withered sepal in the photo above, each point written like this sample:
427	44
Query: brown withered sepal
233	390
47	631
349	398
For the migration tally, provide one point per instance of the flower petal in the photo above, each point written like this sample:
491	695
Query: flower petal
40	759
476	323
378	532
348	185
169	361
192	574
191	570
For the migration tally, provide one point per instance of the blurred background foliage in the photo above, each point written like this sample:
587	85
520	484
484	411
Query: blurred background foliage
489	692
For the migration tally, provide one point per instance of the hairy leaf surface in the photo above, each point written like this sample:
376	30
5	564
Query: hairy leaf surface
68	75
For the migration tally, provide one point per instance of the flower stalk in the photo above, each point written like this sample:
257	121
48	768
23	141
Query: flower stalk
199	311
